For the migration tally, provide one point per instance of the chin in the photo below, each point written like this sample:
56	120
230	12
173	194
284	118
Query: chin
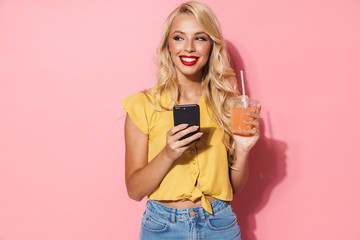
189	73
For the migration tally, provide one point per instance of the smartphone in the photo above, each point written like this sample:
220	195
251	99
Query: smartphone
189	114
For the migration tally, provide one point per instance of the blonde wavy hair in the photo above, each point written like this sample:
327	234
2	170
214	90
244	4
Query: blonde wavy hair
219	82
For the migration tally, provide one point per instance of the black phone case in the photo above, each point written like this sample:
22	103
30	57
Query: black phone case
189	114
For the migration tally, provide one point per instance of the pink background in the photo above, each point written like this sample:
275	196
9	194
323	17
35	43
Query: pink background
65	66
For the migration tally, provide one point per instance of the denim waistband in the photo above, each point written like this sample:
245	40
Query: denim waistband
174	214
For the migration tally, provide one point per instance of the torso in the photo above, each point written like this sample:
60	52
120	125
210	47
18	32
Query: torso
186	203
193	161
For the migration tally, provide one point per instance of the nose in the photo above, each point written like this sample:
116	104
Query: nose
189	46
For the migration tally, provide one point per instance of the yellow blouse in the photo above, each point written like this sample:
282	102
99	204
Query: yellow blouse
201	170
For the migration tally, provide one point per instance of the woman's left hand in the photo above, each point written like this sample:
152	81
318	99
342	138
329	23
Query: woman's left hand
246	143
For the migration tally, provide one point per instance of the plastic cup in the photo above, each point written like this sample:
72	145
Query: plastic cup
240	107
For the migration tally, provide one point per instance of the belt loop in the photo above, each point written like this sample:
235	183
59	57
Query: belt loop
173	212
202	214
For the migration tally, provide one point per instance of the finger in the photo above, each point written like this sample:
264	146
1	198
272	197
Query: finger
254	114
187	146
177	128
188	130
252	122
190	139
258	108
253	131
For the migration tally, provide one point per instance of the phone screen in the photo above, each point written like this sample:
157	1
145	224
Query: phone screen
189	114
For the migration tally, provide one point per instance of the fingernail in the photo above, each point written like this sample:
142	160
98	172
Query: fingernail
195	127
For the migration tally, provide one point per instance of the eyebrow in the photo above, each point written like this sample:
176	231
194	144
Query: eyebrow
197	33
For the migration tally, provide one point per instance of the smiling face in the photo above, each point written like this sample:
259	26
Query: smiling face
189	46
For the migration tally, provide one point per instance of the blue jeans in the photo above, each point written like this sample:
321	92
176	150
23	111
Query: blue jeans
162	222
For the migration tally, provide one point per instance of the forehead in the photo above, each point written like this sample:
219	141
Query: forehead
185	23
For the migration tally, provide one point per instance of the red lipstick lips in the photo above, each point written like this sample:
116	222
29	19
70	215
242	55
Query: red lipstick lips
188	60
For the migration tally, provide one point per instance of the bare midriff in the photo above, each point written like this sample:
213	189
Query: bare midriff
185	203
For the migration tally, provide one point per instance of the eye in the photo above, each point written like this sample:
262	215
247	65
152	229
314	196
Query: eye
201	39
178	38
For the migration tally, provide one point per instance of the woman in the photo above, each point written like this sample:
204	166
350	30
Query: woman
188	184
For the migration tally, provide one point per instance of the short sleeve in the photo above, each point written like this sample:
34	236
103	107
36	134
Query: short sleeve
137	106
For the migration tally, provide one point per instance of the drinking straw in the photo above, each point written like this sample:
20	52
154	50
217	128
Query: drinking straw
243	88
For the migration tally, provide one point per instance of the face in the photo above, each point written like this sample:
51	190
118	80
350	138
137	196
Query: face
189	46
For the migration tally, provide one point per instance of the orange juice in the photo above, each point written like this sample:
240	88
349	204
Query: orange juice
238	116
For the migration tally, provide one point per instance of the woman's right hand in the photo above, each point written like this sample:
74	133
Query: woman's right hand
174	146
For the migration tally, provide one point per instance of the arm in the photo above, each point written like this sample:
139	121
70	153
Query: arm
239	170
141	177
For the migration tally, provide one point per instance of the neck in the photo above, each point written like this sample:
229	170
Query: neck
190	89
190	83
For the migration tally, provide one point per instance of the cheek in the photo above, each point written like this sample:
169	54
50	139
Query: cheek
174	47
205	50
